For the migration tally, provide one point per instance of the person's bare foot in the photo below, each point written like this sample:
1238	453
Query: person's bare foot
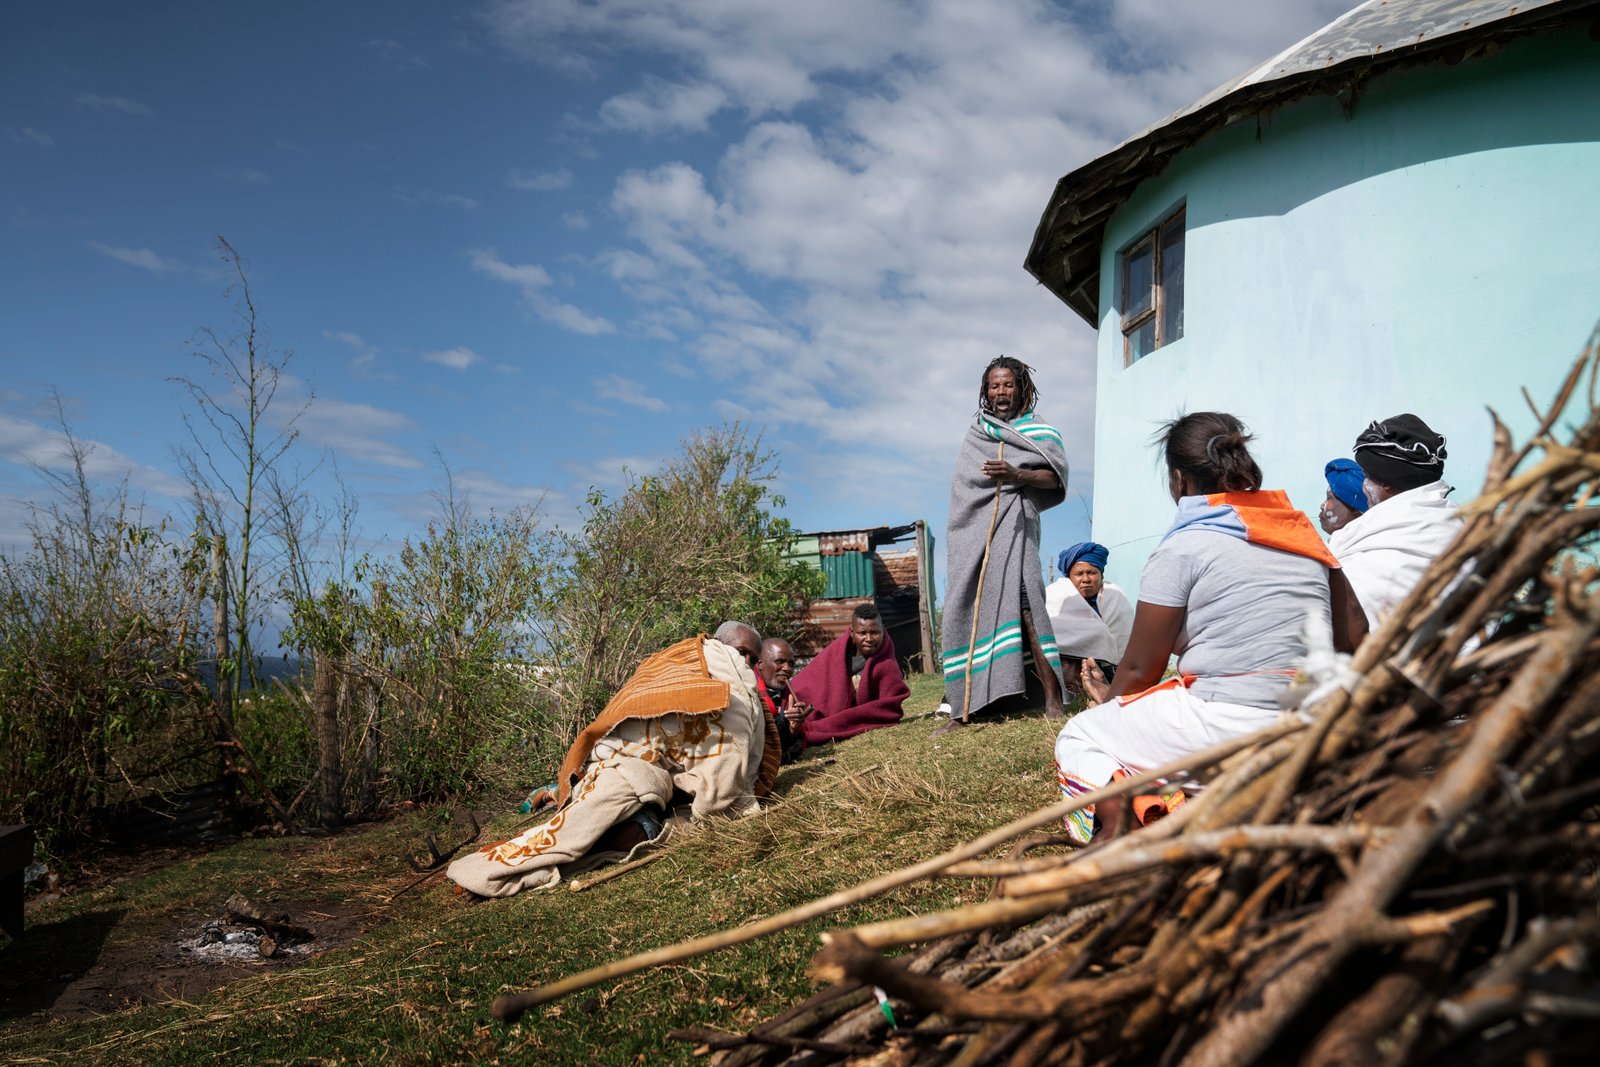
950	727
1053	713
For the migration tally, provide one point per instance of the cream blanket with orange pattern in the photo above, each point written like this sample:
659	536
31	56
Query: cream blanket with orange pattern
690	719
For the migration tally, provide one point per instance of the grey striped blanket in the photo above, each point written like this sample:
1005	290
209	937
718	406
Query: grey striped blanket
995	658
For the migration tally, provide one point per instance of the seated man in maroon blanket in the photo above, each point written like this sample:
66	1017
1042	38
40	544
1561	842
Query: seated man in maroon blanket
855	683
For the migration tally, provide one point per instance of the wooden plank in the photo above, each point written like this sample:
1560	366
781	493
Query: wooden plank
924	599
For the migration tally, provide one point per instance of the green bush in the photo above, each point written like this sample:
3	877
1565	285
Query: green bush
676	554
469	658
99	696
274	726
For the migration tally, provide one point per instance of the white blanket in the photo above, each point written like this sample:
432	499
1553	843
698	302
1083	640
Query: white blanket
1385	552
1079	631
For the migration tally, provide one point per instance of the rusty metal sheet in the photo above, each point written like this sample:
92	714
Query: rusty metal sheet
837	544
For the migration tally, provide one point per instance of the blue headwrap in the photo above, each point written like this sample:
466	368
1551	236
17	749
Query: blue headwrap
1345	478
1083	552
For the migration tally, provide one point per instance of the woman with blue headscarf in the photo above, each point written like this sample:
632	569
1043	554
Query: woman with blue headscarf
1345	502
1092	618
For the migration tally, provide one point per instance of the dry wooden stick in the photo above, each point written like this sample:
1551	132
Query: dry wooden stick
614	872
715	1039
846	957
1216	844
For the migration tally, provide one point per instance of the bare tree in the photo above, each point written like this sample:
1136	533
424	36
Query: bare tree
239	435
238	439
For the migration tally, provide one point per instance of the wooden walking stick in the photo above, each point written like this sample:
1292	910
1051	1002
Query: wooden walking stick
977	605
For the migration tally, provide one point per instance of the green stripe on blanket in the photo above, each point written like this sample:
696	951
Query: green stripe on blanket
1006	631
1028	425
1003	642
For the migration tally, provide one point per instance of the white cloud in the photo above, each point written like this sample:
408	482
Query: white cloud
32	444
539	181
357	431
575	220
852	258
459	358
613	473
483	491
29	135
762	56
572	318
97	102
662	105
430	198
366	355
396	54
534	280
487	261
628	391
283	144
142	258
246	176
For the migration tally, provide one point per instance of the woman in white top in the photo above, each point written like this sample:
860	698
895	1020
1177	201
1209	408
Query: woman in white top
1229	591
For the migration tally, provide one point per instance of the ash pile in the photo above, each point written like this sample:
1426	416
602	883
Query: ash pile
247	932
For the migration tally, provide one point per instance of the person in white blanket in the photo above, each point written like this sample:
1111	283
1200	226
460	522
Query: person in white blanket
1091	617
1410	522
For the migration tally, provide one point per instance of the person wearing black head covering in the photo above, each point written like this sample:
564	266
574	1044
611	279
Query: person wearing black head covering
1398	455
1411	520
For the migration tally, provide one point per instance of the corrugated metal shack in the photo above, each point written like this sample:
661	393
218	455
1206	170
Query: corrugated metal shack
889	565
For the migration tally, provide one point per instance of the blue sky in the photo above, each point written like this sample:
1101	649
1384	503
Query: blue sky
538	241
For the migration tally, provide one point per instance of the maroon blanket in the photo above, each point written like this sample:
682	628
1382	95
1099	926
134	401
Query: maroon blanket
841	712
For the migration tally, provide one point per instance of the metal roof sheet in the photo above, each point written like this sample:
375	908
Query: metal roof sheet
1379	34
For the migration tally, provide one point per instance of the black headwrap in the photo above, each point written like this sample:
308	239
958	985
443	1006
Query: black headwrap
1401	452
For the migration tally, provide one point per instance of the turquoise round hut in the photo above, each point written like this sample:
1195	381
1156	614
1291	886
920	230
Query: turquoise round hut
1399	213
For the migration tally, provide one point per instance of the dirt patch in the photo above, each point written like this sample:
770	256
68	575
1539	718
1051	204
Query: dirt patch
97	960
76	966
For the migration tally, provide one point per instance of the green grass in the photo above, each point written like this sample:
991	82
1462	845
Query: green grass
417	986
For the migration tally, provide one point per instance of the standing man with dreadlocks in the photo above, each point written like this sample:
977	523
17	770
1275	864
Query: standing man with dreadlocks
1011	467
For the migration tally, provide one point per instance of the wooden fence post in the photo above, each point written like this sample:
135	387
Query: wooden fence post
372	739
325	707
225	680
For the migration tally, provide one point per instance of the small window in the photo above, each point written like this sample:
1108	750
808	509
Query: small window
1152	290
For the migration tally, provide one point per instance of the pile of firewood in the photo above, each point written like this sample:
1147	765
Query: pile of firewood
1400	871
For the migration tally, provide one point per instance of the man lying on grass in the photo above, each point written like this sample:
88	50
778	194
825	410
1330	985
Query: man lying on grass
690	719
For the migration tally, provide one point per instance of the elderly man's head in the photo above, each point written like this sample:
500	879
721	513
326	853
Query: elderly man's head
866	629
777	662
743	639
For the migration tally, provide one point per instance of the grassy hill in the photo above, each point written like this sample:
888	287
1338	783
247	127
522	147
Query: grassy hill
416	985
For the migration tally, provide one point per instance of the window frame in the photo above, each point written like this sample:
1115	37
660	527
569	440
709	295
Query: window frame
1154	237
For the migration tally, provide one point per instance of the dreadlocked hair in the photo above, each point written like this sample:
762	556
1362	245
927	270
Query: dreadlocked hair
1027	392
